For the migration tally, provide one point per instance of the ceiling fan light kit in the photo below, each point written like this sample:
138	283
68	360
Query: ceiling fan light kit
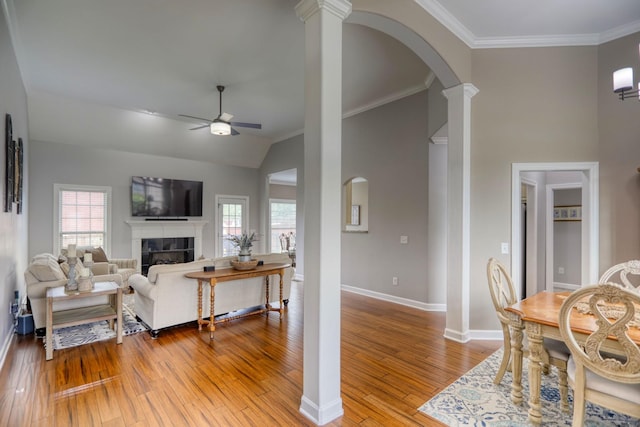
220	128
623	83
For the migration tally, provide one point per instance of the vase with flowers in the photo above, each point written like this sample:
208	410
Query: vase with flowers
244	243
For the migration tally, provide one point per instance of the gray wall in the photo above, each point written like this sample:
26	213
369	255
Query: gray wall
533	105
68	164
13	227
393	158
619	156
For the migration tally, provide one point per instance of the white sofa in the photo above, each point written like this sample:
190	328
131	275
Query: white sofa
44	272
167	298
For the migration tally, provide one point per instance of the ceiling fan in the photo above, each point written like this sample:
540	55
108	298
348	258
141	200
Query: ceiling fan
221	125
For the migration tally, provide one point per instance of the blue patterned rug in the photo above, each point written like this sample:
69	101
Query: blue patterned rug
473	400
73	336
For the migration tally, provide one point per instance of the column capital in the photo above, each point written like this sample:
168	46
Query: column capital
307	8
468	89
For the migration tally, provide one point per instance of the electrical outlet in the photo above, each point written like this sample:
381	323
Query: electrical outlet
560	270
395	281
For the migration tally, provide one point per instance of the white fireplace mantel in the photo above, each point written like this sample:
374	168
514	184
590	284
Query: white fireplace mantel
157	229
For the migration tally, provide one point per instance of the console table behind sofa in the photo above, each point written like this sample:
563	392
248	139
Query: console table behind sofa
167	298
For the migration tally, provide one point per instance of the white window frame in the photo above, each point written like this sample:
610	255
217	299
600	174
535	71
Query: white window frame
57	188
276	200
221	199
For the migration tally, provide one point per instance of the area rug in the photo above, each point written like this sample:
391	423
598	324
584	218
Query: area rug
473	400
73	336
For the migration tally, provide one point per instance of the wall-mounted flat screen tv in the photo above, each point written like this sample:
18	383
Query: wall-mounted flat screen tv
162	197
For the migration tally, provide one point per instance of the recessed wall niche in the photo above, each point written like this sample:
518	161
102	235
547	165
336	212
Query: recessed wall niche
356	205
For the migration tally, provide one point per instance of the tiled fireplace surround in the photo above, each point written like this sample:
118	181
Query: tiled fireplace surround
164	229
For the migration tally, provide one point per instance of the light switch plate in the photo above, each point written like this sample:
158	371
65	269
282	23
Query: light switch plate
404	240
505	248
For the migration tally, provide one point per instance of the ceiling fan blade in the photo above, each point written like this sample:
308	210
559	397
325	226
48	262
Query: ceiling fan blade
226	117
246	125
197	118
200	127
234	132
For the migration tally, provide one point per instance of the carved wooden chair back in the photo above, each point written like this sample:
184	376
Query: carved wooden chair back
616	383
503	294
620	273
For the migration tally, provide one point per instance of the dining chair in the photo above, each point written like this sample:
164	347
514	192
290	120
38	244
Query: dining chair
503	294
620	273
595	376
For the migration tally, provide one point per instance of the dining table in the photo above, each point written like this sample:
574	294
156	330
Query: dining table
538	315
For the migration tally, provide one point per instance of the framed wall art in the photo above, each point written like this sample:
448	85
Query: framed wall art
9	163
567	213
19	175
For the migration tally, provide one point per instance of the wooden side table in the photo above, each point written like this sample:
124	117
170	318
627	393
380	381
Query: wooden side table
79	316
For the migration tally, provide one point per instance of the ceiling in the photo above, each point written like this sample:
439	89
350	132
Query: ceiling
166	57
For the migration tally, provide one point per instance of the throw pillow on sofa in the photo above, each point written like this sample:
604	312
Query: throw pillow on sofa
45	268
98	254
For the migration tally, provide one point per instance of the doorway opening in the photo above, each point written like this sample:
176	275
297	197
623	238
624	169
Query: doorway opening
531	268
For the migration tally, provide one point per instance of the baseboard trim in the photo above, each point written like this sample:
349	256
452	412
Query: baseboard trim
567	286
397	300
321	416
486	335
456	336
4	350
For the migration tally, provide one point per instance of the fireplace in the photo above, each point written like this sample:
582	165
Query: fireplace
166	250
173	234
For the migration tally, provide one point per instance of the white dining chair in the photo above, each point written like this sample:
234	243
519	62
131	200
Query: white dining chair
503	294
620	273
596	376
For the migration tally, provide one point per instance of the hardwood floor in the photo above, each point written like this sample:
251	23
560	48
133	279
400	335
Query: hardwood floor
394	358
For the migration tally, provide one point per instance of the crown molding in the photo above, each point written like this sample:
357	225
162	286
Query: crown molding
448	20
385	100
442	15
619	32
536	41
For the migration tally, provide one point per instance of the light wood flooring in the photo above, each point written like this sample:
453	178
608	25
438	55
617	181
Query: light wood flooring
394	359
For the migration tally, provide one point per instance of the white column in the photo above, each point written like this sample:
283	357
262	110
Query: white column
437	214
458	210
321	401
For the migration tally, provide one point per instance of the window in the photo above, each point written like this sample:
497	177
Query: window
82	216
231	220
283	221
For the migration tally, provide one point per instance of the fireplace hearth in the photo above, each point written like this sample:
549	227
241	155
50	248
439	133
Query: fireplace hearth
174	250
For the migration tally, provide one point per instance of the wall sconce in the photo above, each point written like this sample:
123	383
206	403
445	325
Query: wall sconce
623	84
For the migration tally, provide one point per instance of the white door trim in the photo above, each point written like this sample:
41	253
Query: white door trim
219	199
590	214
531	231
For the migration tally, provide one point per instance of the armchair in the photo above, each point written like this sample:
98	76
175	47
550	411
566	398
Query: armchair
44	272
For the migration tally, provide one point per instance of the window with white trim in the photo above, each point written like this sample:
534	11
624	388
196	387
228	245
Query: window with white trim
82	216
282	215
